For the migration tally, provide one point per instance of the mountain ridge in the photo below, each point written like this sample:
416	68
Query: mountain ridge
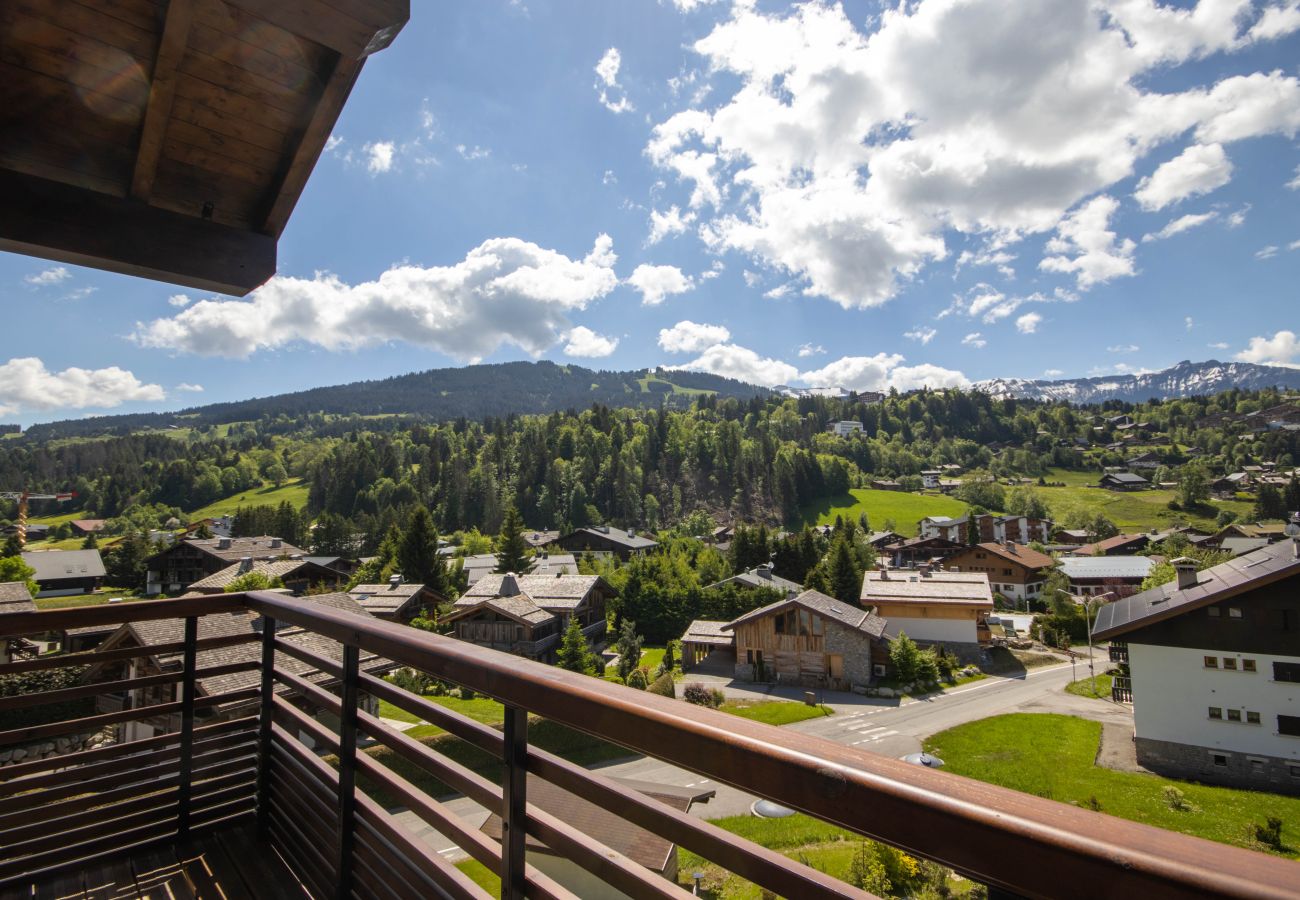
1184	379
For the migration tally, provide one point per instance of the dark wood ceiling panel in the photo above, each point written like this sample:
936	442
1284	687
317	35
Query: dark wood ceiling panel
205	117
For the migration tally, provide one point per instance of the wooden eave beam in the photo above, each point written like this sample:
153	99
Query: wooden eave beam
334	94
68	224
162	89
352	28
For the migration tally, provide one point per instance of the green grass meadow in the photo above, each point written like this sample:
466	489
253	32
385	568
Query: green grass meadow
1053	756
294	490
904	508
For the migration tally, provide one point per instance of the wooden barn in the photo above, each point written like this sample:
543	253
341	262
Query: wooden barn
810	640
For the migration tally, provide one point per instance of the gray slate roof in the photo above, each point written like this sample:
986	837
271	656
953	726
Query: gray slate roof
553	592
762	577
851	616
1137	567
271	568
52	565
1236	576
619	536
705	631
14	597
381	599
909	586
261	547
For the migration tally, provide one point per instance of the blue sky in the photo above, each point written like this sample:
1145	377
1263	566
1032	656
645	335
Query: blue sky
810	194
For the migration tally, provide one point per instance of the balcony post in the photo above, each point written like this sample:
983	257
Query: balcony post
347	771
265	718
190	663
514	814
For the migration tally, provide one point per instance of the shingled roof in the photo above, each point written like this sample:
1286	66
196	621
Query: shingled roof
912	586
553	592
271	568
1236	576
14	597
851	616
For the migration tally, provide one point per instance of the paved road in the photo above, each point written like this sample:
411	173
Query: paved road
887	727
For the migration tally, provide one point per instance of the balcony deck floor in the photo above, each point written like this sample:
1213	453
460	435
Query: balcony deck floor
232	863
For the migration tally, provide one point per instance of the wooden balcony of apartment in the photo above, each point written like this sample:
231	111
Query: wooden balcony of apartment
266	801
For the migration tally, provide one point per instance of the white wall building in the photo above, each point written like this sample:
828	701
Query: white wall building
844	428
1214	660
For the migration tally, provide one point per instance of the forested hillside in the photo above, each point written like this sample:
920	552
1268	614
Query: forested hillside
438	395
764	459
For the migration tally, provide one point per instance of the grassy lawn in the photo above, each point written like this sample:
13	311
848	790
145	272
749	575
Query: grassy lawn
651	658
480	709
1136	511
1084	687
1052	756
87	599
294	490
905	509
775	712
482	876
72	543
55	521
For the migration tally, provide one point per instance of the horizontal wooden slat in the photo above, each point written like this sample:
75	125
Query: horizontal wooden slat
74	773
117	613
284	67
94	723
94	24
227	77
95	657
145	15
234	106
208	121
127	748
94	689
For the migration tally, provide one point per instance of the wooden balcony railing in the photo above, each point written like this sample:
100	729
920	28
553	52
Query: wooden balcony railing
1118	651
299	779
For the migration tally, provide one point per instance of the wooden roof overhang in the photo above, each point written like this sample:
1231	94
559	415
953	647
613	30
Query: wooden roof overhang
171	139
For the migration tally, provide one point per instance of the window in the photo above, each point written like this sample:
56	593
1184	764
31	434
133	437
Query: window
1220	759
1234	612
1211	662
1213	612
1256	765
1230	663
817	625
1216	712
805	624
1283	671
1295	771
1234	715
1006	571
1252	718
1247	665
1288	725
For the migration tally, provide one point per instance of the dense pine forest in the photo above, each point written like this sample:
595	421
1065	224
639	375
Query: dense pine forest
761	460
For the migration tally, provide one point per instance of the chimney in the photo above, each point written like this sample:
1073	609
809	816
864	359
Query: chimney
223	543
1186	569
509	585
631	532
276	543
884	571
924	569
764	570
1011	546
246	564
394	580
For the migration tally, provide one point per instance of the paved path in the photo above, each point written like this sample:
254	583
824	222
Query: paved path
888	727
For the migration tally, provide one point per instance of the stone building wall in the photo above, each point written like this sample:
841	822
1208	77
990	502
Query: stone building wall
1240	770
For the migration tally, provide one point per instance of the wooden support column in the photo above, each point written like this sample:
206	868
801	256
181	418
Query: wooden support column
171	49
188	686
265	720
347	799
514	799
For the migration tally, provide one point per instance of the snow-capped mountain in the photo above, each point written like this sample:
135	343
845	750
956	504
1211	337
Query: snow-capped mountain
1186	379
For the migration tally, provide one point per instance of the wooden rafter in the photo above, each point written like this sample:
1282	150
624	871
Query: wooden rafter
171	49
317	131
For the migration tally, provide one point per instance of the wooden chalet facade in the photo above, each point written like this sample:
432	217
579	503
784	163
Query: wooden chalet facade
175	568
606	539
811	640
932	606
527	614
398	600
919	550
1123	481
1014	570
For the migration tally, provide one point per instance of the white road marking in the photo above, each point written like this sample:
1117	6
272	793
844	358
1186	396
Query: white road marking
875	737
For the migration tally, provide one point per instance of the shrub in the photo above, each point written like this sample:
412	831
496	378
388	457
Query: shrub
467	693
663	686
719	697
701	695
1176	799
413	681
1270	833
1093	803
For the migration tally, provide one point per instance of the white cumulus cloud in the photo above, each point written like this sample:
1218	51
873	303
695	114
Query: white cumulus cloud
921	333
743	364
379	156
53	275
1179	225
506	290
26	384
1197	170
583	342
188	388
1086	247
667	223
974	339
612	95
657	282
810	349
1028	323
845	157
692	337
1282	349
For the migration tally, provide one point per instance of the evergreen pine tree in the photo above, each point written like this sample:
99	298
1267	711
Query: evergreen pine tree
574	654
512	549
845	576
203	532
417	554
1268	504
628	647
91	542
12	547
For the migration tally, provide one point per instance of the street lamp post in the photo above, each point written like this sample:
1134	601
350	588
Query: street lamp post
1087	618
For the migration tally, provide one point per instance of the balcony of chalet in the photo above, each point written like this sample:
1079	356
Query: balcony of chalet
253	785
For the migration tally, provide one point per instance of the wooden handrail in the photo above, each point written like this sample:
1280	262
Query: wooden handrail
1061	850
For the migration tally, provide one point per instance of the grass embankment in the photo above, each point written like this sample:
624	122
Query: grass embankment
88	599
904	509
1131	511
480	709
1085	687
294	490
775	712
1053	756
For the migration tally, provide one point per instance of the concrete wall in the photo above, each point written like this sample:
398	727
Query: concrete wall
950	631
1173	691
